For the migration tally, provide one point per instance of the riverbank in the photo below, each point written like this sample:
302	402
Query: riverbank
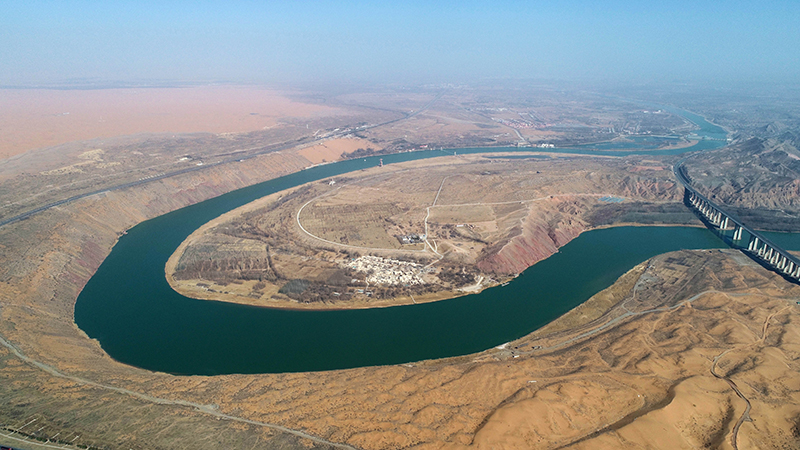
93	316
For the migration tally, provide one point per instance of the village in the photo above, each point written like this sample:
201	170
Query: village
388	271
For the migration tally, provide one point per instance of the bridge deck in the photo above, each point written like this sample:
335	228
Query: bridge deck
680	175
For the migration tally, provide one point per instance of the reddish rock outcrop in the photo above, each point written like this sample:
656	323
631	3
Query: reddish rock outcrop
540	235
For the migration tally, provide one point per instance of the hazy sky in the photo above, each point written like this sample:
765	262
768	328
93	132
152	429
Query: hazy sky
406	42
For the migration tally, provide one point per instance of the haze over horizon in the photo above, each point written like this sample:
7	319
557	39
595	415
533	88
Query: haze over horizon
414	42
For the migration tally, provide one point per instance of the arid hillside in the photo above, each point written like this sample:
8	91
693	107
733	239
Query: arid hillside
652	361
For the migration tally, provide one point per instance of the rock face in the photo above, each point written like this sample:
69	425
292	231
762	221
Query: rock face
539	236
553	224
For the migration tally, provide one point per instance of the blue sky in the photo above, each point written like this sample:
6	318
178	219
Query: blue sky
398	42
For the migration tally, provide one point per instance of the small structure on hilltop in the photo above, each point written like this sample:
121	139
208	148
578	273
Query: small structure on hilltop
412	238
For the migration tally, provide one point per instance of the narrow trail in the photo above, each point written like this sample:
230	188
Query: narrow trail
338	244
27	442
617	320
628	313
745	417
428	209
746	414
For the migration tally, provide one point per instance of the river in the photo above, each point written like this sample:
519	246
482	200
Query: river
129	307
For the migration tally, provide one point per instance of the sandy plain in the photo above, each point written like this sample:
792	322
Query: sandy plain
649	363
332	149
35	118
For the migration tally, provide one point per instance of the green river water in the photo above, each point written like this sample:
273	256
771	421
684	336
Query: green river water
129	307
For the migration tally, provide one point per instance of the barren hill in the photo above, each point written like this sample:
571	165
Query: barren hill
758	178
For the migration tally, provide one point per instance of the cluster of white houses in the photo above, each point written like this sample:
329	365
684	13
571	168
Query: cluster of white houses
388	271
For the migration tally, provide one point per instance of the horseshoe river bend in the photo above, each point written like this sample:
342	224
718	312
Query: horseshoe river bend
129	307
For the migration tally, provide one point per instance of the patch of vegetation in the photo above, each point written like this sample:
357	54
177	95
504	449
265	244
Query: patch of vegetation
294	287
456	278
640	212
768	219
359	153
341	277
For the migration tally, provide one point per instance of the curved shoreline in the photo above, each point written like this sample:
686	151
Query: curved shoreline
128	314
565	150
199	294
135	322
445	294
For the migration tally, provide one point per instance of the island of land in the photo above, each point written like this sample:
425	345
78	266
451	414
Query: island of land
417	231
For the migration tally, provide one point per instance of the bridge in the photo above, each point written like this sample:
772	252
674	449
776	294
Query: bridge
758	246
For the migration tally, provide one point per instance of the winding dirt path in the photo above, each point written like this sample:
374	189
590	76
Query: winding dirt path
746	414
745	417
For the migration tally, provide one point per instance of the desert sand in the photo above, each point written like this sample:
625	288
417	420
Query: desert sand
332	149
35	118
630	368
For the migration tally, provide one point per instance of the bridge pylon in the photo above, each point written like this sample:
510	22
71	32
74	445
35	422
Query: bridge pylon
759	247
